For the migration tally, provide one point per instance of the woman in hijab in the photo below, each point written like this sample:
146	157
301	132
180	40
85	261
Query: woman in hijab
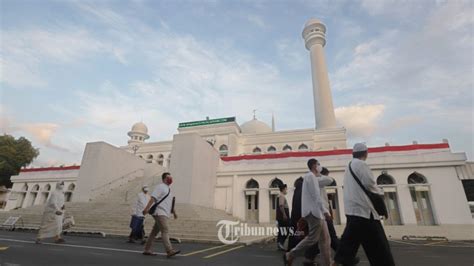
52	222
295	214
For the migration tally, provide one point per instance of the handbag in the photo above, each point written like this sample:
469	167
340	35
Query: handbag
376	199
154	206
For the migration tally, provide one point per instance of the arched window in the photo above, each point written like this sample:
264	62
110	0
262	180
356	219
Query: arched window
333	184
271	149
168	161
47	188
161	159
303	147
251	184
140	156
385	179
71	187
287	148
223	150
149	158
416	178
257	150
276	183
25	187
35	188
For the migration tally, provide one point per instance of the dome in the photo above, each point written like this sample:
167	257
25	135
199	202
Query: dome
139	128
255	127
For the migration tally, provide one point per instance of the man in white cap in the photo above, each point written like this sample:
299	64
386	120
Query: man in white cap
363	225
136	224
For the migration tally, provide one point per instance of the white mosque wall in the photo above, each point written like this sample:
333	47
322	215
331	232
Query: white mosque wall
193	166
34	187
105	167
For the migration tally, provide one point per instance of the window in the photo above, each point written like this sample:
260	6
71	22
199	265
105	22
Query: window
276	183
223	150
251	184
271	149
287	148
416	178
385	179
303	147
257	150
161	159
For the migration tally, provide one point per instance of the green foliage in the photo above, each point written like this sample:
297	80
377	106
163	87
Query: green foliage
14	154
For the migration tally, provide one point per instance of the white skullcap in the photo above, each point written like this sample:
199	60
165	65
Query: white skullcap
145	187
359	147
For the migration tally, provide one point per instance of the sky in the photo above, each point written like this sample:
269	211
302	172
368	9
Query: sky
73	72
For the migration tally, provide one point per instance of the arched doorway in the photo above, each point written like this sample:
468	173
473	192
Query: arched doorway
274	192
21	196
161	159
333	200
33	195
387	183
69	191
251	201
420	196
45	194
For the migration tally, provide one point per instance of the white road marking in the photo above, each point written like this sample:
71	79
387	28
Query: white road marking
79	246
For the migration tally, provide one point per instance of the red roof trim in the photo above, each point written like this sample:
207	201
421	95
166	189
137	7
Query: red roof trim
335	152
74	167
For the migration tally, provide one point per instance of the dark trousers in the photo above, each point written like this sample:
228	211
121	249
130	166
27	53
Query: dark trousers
283	231
370	234
136	224
313	251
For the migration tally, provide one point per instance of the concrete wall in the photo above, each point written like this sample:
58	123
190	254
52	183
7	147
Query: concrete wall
193	167
105	167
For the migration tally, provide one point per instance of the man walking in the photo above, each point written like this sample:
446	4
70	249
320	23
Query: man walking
312	210
164	202
52	222
136	224
363	222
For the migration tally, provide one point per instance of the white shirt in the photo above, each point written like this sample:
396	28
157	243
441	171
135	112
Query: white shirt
311	202
140	204
164	209
324	181
356	201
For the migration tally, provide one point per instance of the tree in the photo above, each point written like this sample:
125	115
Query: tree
14	154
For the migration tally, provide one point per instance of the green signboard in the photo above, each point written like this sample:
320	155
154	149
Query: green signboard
207	122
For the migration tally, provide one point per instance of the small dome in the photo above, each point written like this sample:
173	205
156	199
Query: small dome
255	127
139	128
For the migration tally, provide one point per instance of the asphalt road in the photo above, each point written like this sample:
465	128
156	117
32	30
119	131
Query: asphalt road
18	248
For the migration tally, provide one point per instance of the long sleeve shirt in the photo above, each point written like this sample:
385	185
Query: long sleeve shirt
311	201
356	202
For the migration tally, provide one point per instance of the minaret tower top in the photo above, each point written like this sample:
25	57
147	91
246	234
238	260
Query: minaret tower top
314	32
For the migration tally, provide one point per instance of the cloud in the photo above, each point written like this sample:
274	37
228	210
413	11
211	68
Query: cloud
361	121
25	51
293	53
257	20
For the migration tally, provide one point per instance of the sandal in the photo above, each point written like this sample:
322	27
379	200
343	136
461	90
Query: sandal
172	253
147	253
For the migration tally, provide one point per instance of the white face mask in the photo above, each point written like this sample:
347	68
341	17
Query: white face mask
319	168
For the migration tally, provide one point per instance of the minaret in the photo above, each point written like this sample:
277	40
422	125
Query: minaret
314	34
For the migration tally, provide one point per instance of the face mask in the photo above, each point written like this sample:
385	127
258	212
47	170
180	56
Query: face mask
169	180
319	168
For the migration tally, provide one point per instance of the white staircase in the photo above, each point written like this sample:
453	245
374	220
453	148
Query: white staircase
110	213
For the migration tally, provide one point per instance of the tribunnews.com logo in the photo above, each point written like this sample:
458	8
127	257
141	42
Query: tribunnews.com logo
229	232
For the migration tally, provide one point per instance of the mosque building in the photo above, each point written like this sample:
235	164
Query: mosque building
237	168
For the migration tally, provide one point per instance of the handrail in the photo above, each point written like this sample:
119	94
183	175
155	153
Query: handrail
152	184
117	179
